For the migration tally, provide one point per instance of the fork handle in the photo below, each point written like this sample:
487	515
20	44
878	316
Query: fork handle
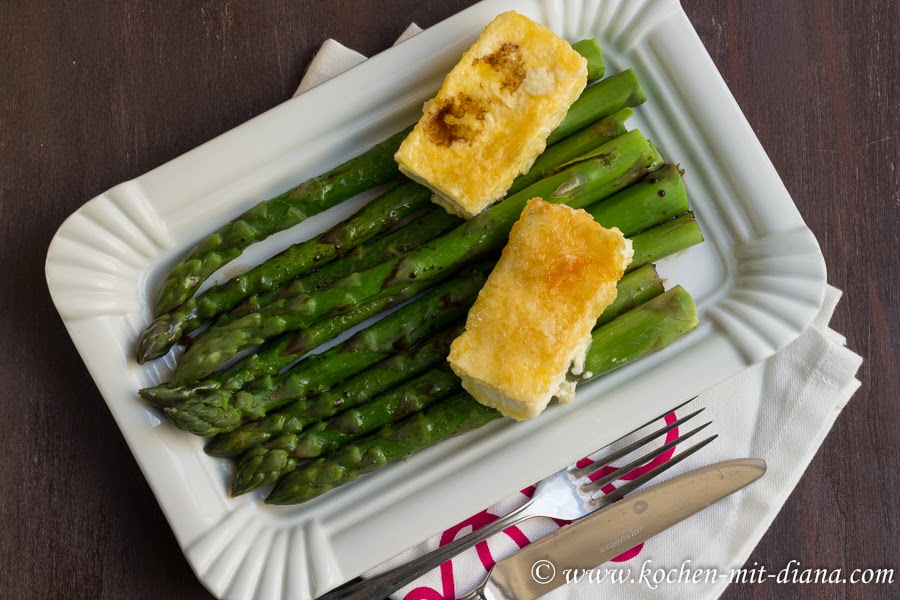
382	586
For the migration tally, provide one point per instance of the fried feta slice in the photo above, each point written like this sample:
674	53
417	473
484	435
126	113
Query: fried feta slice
493	114
532	320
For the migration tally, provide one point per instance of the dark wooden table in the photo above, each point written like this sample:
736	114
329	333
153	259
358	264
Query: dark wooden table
94	92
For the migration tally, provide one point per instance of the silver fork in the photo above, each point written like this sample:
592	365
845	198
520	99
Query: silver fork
567	494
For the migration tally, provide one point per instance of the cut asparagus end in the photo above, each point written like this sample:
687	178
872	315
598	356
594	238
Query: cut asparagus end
578	144
659	196
590	49
599	100
665	239
641	331
634	289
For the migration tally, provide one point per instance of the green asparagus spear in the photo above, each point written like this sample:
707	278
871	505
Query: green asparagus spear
357	390
559	154
634	289
265	464
376	217
641	331
262	465
392	443
570	148
222	411
597	175
655	324
666	238
279	455
435	222
280	352
603	98
659	196
590	49
370	169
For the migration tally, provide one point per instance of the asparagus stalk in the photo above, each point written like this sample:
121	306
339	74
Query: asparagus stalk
657	324
357	390
597	175
433	223
590	49
280	353
603	98
375	218
266	464
667	238
659	196
641	331
392	443
293	438
634	289
222	411
370	169
576	145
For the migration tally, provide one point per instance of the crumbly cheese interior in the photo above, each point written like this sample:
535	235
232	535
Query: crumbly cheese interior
491	118
532	320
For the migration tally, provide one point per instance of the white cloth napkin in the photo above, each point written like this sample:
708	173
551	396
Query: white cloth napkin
333	58
779	410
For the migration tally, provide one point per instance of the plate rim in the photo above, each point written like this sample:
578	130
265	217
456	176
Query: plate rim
797	239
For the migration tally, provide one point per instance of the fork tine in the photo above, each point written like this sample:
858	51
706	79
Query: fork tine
587	469
599	483
652	474
654	419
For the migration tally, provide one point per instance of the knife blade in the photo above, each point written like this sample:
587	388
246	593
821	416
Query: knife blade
606	533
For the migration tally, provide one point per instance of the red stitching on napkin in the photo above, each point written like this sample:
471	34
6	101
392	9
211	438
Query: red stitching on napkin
448	585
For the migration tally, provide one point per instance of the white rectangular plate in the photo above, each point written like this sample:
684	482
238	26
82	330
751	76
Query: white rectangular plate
758	281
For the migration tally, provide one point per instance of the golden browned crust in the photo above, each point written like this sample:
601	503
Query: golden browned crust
534	315
492	115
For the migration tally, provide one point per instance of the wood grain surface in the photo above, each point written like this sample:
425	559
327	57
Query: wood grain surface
94	92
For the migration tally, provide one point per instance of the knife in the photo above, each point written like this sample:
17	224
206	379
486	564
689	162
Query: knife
602	535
